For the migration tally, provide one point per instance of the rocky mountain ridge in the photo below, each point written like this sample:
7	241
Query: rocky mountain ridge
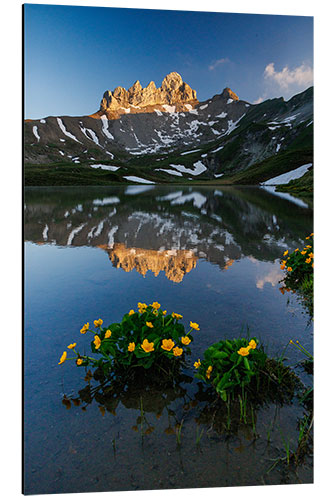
166	135
136	99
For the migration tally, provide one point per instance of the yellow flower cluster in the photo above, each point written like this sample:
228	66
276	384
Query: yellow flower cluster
142	307
245	351
167	344
155	305
305	252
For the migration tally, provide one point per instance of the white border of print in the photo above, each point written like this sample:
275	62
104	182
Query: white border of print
11	225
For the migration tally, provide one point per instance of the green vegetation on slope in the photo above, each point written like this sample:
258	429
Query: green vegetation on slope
271	167
301	187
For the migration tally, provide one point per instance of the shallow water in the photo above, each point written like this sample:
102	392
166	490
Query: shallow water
210	254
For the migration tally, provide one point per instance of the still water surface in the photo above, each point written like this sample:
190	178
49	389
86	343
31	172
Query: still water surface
210	254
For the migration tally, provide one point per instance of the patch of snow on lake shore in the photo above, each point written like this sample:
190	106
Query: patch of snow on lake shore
105	167
133	178
288	176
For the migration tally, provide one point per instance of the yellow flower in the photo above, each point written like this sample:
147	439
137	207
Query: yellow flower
63	358
195	326
282	266
308	246
97	342
142	307
209	371
156	305
243	351
296	249
98	322
312	264
289	269
131	346
285	253
177	316
197	364
71	346
108	334
308	261
79	361
149	324
177	351
186	340
167	344
85	328
131	312
307	238
147	346
311	255
252	344
164	313
303	252
311	234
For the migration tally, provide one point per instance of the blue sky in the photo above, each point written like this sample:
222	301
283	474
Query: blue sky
74	54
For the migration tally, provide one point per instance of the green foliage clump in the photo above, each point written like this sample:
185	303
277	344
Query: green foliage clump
229	365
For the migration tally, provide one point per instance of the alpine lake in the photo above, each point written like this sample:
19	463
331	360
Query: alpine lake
211	254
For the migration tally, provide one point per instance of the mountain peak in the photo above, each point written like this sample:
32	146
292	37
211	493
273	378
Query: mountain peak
172	81
229	94
173	91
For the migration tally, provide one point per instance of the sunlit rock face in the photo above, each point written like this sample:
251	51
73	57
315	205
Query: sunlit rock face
229	94
174	263
173	92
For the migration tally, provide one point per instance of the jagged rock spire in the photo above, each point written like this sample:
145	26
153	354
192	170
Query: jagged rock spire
172	91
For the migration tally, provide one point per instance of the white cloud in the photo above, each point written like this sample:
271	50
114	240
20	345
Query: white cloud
223	60
301	76
259	100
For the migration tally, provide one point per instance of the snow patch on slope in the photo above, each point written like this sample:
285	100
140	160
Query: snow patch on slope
65	131
105	125
35	132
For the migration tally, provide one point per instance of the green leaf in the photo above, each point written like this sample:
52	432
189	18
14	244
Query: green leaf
246	363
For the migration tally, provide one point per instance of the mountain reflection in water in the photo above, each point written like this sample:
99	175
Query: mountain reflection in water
166	229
